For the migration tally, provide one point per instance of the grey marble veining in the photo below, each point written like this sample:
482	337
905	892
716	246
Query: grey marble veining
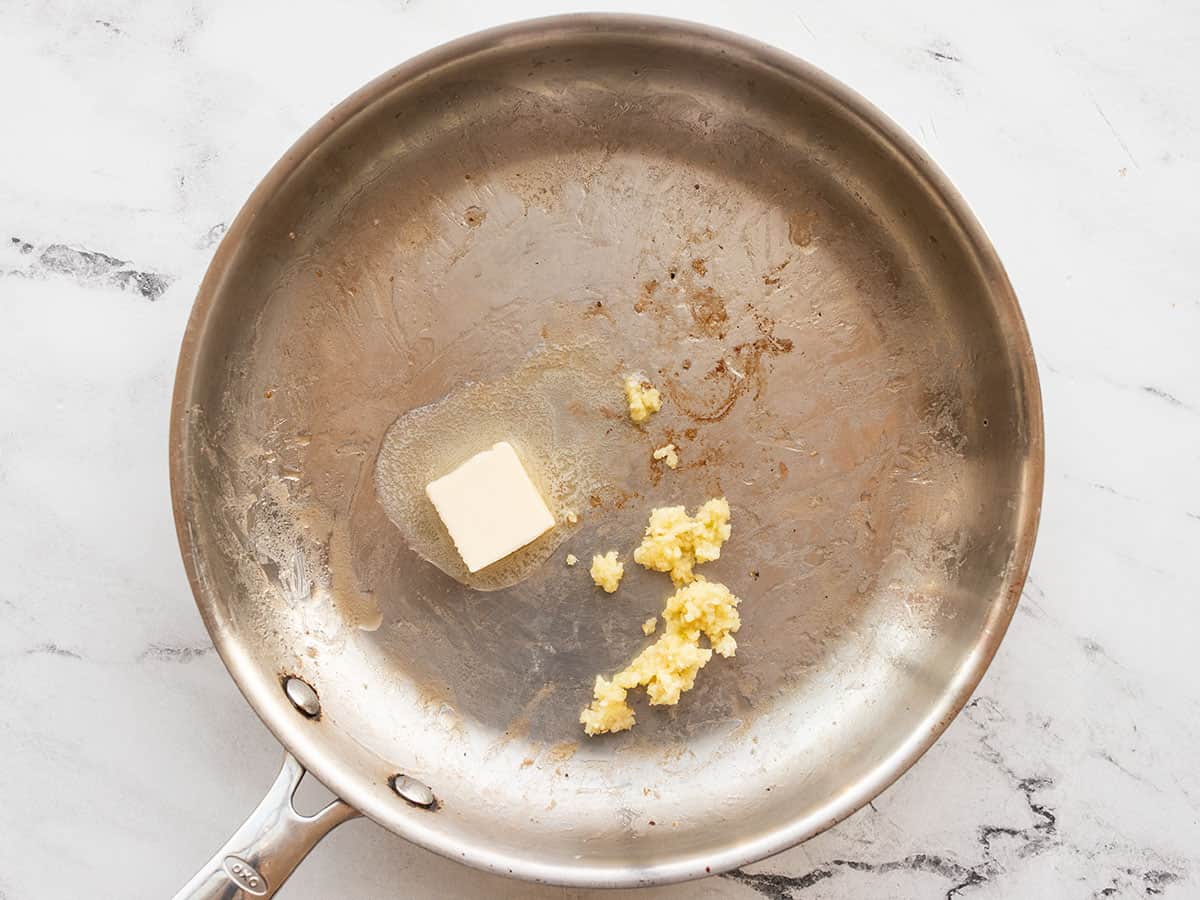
131	135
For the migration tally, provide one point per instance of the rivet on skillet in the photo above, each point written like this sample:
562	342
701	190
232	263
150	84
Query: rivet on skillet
302	695
415	792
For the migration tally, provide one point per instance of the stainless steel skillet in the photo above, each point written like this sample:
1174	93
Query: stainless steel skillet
514	220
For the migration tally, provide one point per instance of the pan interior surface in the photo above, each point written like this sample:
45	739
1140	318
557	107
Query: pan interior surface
515	223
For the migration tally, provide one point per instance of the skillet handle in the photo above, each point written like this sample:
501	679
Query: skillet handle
273	840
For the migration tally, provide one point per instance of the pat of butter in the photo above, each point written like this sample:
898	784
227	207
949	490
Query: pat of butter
490	506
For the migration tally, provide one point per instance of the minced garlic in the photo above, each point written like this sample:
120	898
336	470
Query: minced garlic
607	571
668	667
643	398
668	454
675	542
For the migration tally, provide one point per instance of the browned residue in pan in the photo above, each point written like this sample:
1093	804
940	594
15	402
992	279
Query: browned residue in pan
597	308
622	497
646	300
773	277
561	752
708	311
656	467
736	374
708	456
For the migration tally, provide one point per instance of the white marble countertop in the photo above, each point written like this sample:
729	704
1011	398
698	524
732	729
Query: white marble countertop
133	132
